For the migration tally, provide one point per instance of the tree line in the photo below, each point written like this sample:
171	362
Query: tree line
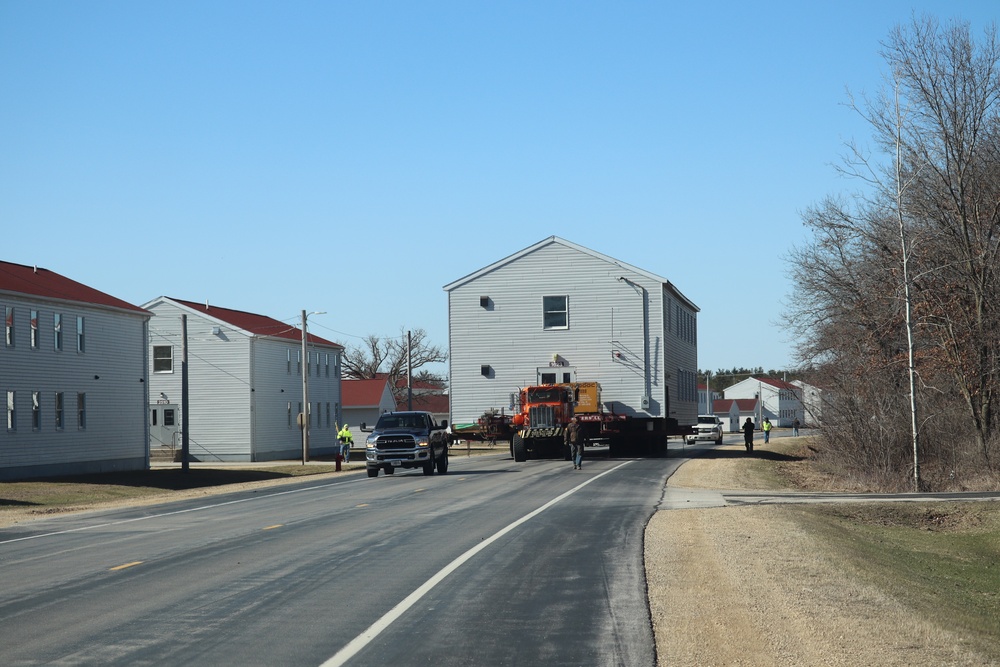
896	300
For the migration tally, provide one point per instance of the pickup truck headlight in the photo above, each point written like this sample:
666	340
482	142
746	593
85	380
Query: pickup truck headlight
370	442
423	441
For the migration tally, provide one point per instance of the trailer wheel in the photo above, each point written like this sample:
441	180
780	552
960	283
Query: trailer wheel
519	448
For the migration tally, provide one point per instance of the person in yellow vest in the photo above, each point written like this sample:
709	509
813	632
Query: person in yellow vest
346	440
766	428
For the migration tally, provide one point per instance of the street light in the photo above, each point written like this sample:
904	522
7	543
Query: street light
304	415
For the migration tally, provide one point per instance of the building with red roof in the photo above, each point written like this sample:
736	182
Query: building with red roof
245	388
779	400
364	401
73	375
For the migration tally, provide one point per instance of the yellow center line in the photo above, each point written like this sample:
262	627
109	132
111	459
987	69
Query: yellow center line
277	525
362	505
126	565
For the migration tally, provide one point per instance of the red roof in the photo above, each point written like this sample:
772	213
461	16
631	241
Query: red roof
260	325
780	384
34	281
362	393
436	403
746	404
416	384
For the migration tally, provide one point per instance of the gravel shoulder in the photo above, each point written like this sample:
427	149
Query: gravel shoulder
749	586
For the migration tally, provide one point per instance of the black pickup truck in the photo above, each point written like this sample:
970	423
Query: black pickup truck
406	440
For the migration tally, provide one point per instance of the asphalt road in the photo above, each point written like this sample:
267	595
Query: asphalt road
495	563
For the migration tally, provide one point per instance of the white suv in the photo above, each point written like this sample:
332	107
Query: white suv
709	427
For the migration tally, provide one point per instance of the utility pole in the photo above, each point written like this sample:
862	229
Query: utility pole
409	371
185	443
304	415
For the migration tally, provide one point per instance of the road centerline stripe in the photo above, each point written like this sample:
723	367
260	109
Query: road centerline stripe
375	629
125	566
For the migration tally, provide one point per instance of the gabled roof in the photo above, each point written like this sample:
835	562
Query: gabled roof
363	393
37	282
415	384
436	403
252	323
579	248
746	404
780	384
722	405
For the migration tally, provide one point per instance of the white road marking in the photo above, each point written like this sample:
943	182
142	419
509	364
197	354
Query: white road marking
376	628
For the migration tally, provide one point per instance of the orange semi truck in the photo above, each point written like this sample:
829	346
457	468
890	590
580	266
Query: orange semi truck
543	412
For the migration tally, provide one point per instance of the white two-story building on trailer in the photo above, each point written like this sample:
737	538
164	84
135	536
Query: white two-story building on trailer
72	376
559	312
245	386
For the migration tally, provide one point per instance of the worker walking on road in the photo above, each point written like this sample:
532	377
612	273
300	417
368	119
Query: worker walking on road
572	437
766	428
346	440
748	434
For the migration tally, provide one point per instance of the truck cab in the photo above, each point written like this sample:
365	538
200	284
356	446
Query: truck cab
410	439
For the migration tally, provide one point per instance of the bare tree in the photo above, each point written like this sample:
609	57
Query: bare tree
378	356
899	290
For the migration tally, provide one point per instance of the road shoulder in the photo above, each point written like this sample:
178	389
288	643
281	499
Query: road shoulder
749	586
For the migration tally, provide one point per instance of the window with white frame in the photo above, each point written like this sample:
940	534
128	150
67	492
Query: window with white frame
326	363
8	320
163	359
289	414
33	329
298	363
58	408
288	361
80	343
36	411
11	412
57	342
555	312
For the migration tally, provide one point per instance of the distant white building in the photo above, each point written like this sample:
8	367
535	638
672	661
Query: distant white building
73	376
705	402
244	384
778	400
558	312
813	399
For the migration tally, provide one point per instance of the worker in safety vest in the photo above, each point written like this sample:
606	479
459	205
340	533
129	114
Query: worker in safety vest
766	428
346	440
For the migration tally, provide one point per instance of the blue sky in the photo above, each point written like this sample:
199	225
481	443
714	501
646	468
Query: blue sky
354	157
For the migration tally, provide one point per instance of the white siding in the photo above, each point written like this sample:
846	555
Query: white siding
218	382
111	371
239	387
616	333
275	386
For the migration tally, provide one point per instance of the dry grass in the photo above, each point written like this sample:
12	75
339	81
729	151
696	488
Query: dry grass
787	585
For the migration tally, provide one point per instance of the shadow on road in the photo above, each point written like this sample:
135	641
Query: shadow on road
763	454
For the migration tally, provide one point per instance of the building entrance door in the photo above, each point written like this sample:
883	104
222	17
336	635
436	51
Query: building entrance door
163	425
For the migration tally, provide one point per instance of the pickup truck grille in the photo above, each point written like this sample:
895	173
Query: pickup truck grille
541	416
389	442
